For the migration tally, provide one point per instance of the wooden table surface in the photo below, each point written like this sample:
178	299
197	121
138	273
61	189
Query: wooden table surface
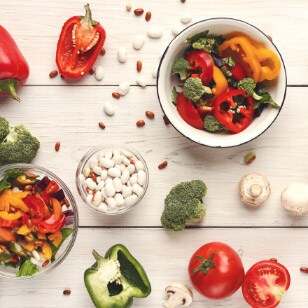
55	110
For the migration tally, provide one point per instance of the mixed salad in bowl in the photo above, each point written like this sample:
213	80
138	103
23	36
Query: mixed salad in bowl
36	219
222	81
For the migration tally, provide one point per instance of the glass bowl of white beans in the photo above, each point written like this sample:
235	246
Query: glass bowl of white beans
112	179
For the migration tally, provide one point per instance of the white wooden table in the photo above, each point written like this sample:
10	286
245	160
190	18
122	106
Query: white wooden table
69	112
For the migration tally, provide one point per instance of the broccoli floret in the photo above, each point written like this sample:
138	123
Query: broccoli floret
208	44
211	124
183	205
194	89
19	146
4	128
181	67
248	85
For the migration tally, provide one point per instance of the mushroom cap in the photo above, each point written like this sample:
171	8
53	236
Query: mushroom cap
254	189
182	291
295	198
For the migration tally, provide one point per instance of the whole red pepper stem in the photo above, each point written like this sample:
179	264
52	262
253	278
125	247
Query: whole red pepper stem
9	86
87	19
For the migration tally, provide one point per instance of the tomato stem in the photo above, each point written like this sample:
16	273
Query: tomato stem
206	264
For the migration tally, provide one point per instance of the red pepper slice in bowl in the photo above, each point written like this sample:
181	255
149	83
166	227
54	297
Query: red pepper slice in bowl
238	72
188	112
51	225
234	110
36	208
202	61
79	45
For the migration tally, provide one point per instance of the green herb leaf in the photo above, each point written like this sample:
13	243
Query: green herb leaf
27	269
66	232
196	37
229	61
174	95
225	71
9	176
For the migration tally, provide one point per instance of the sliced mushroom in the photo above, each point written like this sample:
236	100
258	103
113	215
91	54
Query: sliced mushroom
254	189
295	198
179	295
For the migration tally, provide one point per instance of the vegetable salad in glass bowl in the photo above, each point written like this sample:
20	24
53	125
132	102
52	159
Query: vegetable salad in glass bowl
38	221
221	82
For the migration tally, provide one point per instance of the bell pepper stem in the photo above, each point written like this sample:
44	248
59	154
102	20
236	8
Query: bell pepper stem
87	19
10	86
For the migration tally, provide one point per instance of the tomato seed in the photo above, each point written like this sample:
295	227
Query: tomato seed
53	74
67	292
163	165
57	146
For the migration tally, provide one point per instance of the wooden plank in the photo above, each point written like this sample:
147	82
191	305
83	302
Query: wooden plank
165	257
71	115
36	26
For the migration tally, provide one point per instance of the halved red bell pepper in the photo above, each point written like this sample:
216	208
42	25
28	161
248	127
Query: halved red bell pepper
238	72
51	188
235	117
36	208
14	69
188	112
10	223
79	45
202	61
51	225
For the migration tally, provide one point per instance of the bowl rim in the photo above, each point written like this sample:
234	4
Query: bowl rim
73	203
222	19
87	156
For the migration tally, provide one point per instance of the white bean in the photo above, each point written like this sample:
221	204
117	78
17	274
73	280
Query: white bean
99	73
131	168
141	81
123	88
122	54
125	176
155	32
120	167
100	185
90	184
138	42
138	190
117	159
119	199
117	184
114	172
186	18
125	161
133	180
97	198
107	163
86	171
109	190
103	175
109	108
89	199
109	181
111	203
36	255
34	261
126	191
93	162
141	177
82	179
116	152
97	170
103	207
139	165
130	200
127	154
104	196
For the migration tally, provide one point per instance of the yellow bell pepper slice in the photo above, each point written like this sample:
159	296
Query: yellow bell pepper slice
29	246
10	216
221	83
56	238
9	198
24	230
46	250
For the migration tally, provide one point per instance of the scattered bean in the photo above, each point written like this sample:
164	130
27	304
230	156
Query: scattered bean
116	95
138	42
150	114
53	74
128	7
139	66
148	16
57	146
125	176
36	255
122	54
166	120
101	125
141	81
109	108
139	11
304	270
250	158
123	88
103	51
67	292
155	32
99	73
186	18
163	165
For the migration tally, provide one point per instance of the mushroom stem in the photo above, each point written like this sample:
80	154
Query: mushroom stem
255	190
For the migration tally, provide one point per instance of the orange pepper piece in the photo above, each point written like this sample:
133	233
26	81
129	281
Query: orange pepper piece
6	235
46	250
56	238
24	230
41	236
28	246
10	216
57	208
221	83
9	198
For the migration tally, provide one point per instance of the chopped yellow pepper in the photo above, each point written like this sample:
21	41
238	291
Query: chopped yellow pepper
47	252
221	83
24	230
9	198
10	216
29	246
56	238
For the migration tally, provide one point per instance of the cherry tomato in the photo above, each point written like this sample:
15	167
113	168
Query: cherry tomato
216	270
188	112
238	72
265	283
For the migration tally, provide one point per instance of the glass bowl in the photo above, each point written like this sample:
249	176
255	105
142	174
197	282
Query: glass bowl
71	221
84	163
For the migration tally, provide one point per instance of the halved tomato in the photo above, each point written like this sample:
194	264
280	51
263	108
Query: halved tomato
265	283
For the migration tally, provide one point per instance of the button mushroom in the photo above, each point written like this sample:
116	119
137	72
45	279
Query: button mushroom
179	295
254	189
295	198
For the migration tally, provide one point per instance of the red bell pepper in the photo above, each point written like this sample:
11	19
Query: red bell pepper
202	61
79	45
188	112
238	72
229	112
10	223
14	69
36	208
51	225
51	188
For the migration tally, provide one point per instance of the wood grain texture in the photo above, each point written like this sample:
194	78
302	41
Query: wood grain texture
71	116
165	258
37	25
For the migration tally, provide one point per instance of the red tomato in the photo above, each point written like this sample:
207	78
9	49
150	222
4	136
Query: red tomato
188	112
216	270
265	283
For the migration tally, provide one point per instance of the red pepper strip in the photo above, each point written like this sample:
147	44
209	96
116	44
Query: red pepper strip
24	218
238	72
203	61
10	223
234	117
51	225
188	112
14	69
36	208
79	45
51	188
